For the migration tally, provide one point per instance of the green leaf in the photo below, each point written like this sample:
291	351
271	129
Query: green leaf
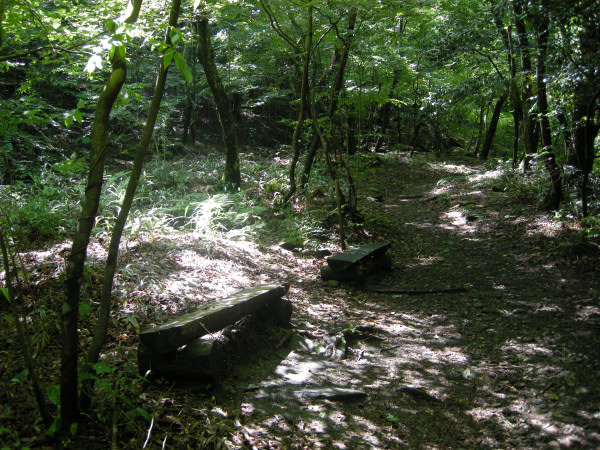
174	35
167	57
53	393
53	428
68	120
183	67
85	309
80	103
95	62
122	51
392	418
6	295
73	429
101	367
78	116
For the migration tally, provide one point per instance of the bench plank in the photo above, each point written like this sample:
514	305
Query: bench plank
343	261
210	318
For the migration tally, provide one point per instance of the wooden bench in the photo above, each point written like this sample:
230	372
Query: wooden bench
352	265
184	346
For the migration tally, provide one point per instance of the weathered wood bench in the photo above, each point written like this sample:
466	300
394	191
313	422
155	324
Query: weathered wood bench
351	265
184	347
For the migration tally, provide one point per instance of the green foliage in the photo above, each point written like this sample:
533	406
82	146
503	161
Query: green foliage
529	188
44	209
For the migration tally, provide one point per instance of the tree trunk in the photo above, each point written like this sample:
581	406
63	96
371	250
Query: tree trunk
74	271
542	100
22	331
385	113
554	195
336	88
584	136
113	249
491	132
530	136
231	176
304	99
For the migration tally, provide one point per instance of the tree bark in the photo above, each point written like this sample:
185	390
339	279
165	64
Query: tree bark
22	332
206	56
113	249
491	132
385	113
528	120
542	99
76	261
336	87
304	100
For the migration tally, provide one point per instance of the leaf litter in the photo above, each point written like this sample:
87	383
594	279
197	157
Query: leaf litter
482	335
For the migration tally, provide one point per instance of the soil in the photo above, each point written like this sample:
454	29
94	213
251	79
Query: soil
483	334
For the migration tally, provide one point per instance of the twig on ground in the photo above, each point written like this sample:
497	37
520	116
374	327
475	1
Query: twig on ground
418	292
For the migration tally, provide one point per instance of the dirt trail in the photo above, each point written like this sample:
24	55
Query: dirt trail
486	335
510	362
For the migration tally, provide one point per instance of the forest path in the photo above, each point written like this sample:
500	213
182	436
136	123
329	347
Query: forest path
513	358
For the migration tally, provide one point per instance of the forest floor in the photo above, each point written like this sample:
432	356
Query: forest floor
484	333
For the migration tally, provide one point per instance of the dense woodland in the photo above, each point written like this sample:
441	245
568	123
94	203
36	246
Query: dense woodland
161	127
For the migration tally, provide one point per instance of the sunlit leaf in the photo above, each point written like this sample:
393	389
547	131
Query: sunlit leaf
183	67
95	62
167	57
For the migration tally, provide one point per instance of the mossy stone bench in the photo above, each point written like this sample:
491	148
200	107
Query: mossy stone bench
184	348
352	264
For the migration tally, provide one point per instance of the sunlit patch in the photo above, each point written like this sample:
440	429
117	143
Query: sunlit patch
522	415
549	308
587	312
544	226
457	220
457	169
528	349
488	175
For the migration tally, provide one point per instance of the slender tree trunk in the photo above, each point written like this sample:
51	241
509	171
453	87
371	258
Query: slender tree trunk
530	136
385	113
206	56
555	194
336	88
491	132
568	140
515	99
481	127
584	136
542	99
76	261
115	240
69	397
304	100
22	332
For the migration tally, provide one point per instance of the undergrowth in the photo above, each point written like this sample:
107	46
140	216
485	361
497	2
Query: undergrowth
172	196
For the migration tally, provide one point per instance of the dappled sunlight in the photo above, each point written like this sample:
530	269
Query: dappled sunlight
526	349
488	175
457	222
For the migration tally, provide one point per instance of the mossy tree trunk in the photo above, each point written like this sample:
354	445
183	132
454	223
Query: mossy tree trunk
115	240
206	56
491	131
69	398
528	121
341	59
554	194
